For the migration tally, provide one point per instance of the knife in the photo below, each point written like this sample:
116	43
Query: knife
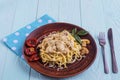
114	63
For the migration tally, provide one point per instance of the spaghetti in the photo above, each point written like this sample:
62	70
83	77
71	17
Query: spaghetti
61	48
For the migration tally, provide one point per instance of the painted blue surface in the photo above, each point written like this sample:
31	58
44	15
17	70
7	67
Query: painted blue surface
93	15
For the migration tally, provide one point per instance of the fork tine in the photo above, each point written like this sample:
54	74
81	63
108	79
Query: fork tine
101	35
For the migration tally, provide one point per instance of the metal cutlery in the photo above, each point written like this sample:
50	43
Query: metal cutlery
114	63
102	42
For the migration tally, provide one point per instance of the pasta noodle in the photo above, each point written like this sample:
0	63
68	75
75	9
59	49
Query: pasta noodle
61	48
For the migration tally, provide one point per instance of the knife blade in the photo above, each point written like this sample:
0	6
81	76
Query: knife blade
114	63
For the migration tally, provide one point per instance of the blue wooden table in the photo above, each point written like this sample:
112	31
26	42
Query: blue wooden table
93	15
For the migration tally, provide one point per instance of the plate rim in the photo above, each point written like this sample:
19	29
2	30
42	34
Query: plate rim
62	75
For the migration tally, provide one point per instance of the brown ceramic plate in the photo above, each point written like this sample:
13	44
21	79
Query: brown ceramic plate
74	68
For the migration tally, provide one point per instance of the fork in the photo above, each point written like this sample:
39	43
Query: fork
102	43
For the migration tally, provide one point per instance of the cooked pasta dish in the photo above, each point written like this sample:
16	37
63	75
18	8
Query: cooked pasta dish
61	48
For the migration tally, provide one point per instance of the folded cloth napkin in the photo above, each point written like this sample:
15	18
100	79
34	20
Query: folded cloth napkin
16	40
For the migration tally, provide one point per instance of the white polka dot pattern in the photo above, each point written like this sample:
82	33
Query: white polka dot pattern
5	39
13	48
15	41
17	33
49	21
26	34
39	20
28	27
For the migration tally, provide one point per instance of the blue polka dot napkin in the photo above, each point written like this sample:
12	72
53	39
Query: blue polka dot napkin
16	40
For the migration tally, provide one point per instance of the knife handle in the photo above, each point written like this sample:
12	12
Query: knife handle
114	63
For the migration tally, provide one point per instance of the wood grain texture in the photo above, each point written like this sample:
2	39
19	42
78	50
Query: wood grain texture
93	15
4	16
92	20
50	8
112	19
69	11
23	14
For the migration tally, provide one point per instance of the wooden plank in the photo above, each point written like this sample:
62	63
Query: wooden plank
70	11
93	21
6	22
25	13
93	18
50	8
112	12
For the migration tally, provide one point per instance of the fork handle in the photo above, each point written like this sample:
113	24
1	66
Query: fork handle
106	70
